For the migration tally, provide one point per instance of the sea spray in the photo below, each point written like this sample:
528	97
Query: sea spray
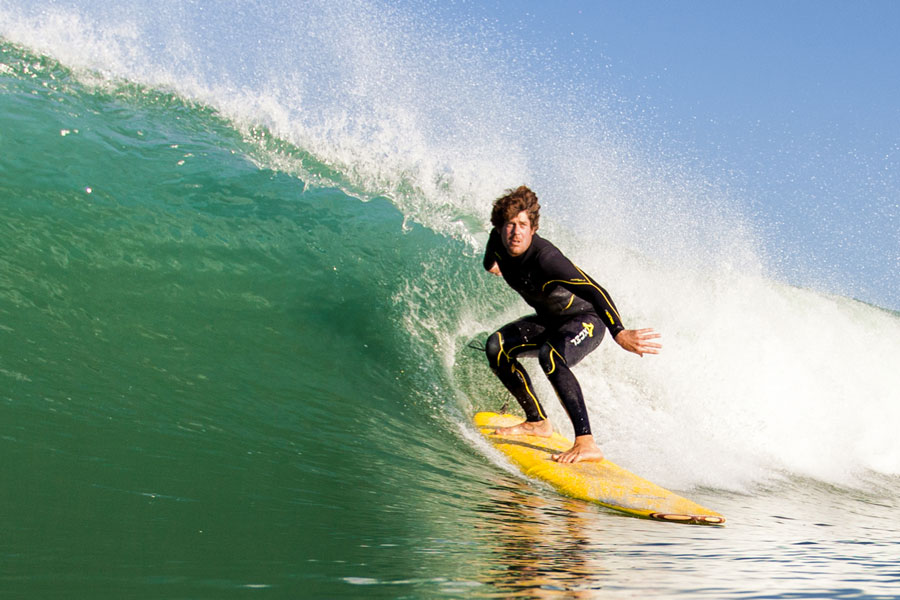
751	368
221	372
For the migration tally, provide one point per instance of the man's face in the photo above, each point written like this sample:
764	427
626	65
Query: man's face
517	234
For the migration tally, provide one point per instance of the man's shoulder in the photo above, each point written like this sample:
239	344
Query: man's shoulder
544	248
550	259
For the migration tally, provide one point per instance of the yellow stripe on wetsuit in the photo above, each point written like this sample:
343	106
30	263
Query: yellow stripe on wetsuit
552	361
521	375
589	282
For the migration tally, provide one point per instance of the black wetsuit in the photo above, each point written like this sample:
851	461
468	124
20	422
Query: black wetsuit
572	311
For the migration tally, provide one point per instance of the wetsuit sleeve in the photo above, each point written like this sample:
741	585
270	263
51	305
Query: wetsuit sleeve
490	251
559	270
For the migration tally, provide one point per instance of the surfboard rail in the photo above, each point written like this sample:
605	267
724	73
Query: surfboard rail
604	482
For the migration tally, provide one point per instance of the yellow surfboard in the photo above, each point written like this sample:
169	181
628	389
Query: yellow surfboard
602	482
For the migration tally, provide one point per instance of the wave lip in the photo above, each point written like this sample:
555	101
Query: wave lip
768	378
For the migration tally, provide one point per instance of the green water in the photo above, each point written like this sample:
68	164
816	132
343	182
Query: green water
219	380
199	358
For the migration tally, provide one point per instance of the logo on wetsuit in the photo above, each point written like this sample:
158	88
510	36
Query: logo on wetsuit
587	332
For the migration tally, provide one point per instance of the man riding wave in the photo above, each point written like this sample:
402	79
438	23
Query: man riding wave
572	312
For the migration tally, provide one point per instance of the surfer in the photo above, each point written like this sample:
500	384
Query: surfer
572	313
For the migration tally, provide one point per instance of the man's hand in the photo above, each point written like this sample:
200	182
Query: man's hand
638	341
495	269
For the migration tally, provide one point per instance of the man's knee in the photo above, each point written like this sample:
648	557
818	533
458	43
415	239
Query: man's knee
549	358
493	348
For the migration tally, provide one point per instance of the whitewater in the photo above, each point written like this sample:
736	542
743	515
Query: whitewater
240	284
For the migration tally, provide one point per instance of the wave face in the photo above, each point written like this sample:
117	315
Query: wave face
239	281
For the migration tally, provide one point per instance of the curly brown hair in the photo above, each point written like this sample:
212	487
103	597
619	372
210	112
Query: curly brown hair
515	201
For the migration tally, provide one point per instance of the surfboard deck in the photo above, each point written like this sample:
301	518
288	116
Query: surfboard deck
603	482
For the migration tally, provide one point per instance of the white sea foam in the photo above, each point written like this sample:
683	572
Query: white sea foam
757	378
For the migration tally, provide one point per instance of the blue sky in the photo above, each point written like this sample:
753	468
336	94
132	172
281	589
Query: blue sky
796	103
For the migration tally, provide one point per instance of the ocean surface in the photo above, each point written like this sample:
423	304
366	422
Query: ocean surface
238	295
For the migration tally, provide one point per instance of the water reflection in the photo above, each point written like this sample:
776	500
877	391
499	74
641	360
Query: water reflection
539	549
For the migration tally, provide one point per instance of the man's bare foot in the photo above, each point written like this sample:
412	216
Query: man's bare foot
584	449
539	428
